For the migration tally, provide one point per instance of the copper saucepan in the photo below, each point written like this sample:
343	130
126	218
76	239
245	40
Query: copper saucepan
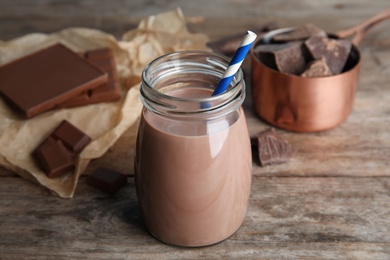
304	104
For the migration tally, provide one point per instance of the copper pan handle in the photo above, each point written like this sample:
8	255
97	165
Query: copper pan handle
360	30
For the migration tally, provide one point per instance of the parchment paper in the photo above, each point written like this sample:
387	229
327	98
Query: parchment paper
104	122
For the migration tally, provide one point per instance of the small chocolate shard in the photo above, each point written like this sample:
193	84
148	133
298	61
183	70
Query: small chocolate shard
317	68
272	149
300	33
334	51
287	58
107	180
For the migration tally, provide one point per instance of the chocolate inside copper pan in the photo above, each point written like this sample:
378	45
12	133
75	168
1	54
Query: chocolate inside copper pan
309	104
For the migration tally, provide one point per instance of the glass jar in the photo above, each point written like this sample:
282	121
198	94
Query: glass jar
193	157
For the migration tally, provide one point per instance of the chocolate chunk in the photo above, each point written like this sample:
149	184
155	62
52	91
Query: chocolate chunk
107	180
317	68
57	153
288	57
107	92
264	52
300	33
334	51
272	149
55	159
74	139
38	82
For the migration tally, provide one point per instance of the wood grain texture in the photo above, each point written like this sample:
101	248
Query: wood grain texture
331	201
287	217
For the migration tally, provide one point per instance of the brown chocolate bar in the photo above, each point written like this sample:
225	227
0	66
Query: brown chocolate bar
110	91
272	149
334	51
38	82
107	180
57	153
288	57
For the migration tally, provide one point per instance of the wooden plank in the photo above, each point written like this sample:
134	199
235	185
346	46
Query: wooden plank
331	201
49	16
287	217
216	8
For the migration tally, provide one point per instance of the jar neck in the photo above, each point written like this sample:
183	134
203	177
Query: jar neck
180	84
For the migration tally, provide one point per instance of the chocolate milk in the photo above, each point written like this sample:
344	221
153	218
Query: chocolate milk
193	183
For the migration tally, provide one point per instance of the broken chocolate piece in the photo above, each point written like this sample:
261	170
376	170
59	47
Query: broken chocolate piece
58	152
38	82
107	180
107	92
55	159
71	136
334	51
317	68
272	149
300	33
287	58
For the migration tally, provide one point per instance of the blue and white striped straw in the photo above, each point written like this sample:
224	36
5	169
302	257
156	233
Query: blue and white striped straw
235	63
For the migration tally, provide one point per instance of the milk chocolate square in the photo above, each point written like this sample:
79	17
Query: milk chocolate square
72	137
39	81
55	159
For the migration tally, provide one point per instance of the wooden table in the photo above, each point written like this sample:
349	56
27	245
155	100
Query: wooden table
332	200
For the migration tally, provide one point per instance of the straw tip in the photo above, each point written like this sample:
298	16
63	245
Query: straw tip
251	33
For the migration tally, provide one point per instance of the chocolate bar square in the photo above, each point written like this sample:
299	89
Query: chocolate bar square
55	159
71	136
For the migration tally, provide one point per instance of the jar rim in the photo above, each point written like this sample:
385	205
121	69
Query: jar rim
239	77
